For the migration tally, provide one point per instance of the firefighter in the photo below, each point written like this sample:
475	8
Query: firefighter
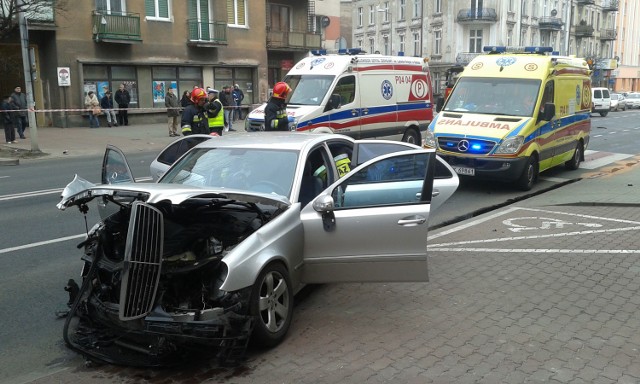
194	119
275	113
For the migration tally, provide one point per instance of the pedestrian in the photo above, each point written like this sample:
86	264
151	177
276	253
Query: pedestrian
173	112
185	100
194	119
215	113
8	118
123	99
275	113
227	102
106	103
93	105
238	96
20	100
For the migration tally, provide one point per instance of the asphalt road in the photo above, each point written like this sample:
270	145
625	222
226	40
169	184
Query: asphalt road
38	241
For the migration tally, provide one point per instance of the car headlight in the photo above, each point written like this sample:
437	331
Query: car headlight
510	145
429	139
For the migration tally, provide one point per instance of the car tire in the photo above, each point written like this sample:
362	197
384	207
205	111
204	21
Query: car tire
604	113
271	304
411	136
529	174
574	163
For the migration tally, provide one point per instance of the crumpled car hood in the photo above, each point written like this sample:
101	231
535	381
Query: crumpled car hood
81	191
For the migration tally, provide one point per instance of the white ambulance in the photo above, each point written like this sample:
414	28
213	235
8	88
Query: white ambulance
359	95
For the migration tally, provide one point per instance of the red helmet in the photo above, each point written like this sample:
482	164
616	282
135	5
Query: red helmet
197	94
281	90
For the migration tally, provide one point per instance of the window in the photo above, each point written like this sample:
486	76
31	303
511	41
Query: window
510	9
438	6
157	9
534	8
402	43
360	16
180	78
385	43
524	8
346	88
416	44
372	14
437	43
372	45
359	43
229	76
385	17
475	40
114	7
417	9
279	17
510	37
100	78
402	9
237	13
200	23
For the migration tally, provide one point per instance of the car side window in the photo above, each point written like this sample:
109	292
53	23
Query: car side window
342	154
346	88
179	148
605	93
392	181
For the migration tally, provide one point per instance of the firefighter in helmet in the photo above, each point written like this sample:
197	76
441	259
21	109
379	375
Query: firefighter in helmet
275	113
194	119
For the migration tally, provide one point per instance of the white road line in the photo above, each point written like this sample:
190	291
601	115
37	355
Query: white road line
4	177
597	136
47	192
603	161
534	250
40	243
471	223
582	215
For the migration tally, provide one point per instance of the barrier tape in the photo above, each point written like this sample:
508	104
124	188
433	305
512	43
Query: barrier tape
110	109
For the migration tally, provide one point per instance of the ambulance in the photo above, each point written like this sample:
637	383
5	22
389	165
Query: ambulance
359	95
514	113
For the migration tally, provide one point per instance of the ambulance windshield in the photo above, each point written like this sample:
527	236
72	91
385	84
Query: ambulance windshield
308	89
494	96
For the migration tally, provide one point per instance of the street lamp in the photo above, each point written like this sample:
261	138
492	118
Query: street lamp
387	18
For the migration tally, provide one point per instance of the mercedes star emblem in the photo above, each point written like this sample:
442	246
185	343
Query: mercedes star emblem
463	146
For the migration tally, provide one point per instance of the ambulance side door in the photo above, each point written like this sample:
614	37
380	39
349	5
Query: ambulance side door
548	130
343	107
379	107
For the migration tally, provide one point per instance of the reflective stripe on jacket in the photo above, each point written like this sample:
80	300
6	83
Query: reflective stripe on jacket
218	120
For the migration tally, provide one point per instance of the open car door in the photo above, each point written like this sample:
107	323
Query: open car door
371	225
115	168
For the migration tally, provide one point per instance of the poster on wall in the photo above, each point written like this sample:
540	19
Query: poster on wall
158	91
101	88
89	86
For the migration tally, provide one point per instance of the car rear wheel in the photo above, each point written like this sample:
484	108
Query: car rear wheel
411	136
272	305
574	163
529	174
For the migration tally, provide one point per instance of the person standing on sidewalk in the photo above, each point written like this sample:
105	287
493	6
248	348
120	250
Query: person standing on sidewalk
106	103
19	99
93	105
215	113
8	119
194	119
123	98
227	102
173	112
238	96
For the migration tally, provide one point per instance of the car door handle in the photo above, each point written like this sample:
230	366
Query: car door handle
354	112
365	111
415	220
435	193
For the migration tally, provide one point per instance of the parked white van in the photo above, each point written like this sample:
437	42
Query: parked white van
600	101
359	95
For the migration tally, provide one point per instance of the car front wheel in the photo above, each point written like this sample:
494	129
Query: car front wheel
411	136
529	174
271	305
574	163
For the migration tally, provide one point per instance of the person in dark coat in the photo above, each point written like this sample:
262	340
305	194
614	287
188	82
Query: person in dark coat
173	112
123	99
106	103
238	96
194	118
8	119
275	113
227	102
20	100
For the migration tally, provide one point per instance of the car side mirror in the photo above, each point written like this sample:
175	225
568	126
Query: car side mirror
323	204
549	111
439	103
334	102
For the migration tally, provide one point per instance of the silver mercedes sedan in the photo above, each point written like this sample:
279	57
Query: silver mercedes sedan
214	251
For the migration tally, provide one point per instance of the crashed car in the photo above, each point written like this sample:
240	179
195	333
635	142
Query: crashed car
212	254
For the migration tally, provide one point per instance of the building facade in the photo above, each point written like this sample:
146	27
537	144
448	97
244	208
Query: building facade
153	45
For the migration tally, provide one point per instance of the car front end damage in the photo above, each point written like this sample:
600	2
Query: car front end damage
152	274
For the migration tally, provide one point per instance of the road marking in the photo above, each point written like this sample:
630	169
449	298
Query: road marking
48	192
534	250
40	243
601	159
545	223
471	223
597	136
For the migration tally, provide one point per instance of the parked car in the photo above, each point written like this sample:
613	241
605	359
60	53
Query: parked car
633	100
213	253
618	102
600	101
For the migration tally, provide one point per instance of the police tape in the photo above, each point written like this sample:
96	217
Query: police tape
165	109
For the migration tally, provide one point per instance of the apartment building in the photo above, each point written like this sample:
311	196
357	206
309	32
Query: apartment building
452	32
152	45
626	48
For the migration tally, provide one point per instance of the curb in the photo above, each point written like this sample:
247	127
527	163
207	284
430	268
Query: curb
9	161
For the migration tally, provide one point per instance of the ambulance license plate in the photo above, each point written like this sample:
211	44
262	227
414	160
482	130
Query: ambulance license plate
465	171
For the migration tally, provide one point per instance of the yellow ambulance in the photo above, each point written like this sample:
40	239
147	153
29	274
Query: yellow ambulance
514	113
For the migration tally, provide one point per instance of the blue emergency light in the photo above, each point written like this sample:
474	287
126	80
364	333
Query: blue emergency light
319	52
503	49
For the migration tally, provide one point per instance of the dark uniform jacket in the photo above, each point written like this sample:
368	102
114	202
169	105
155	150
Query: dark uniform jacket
194	121
275	115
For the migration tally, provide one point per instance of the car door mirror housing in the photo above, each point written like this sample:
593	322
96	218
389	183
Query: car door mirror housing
324	203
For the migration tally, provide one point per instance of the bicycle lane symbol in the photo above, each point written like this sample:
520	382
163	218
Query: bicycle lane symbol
542	223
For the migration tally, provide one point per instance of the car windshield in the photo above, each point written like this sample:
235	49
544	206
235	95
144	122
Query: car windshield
249	169
308	89
494	96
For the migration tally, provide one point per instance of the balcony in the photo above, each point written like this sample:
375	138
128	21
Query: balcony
298	40
121	27
549	23
41	16
206	33
584	31
477	15
608	34
610	5
464	58
586	2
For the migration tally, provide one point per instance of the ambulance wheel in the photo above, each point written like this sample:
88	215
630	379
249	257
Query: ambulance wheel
604	114
411	136
574	163
529	174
